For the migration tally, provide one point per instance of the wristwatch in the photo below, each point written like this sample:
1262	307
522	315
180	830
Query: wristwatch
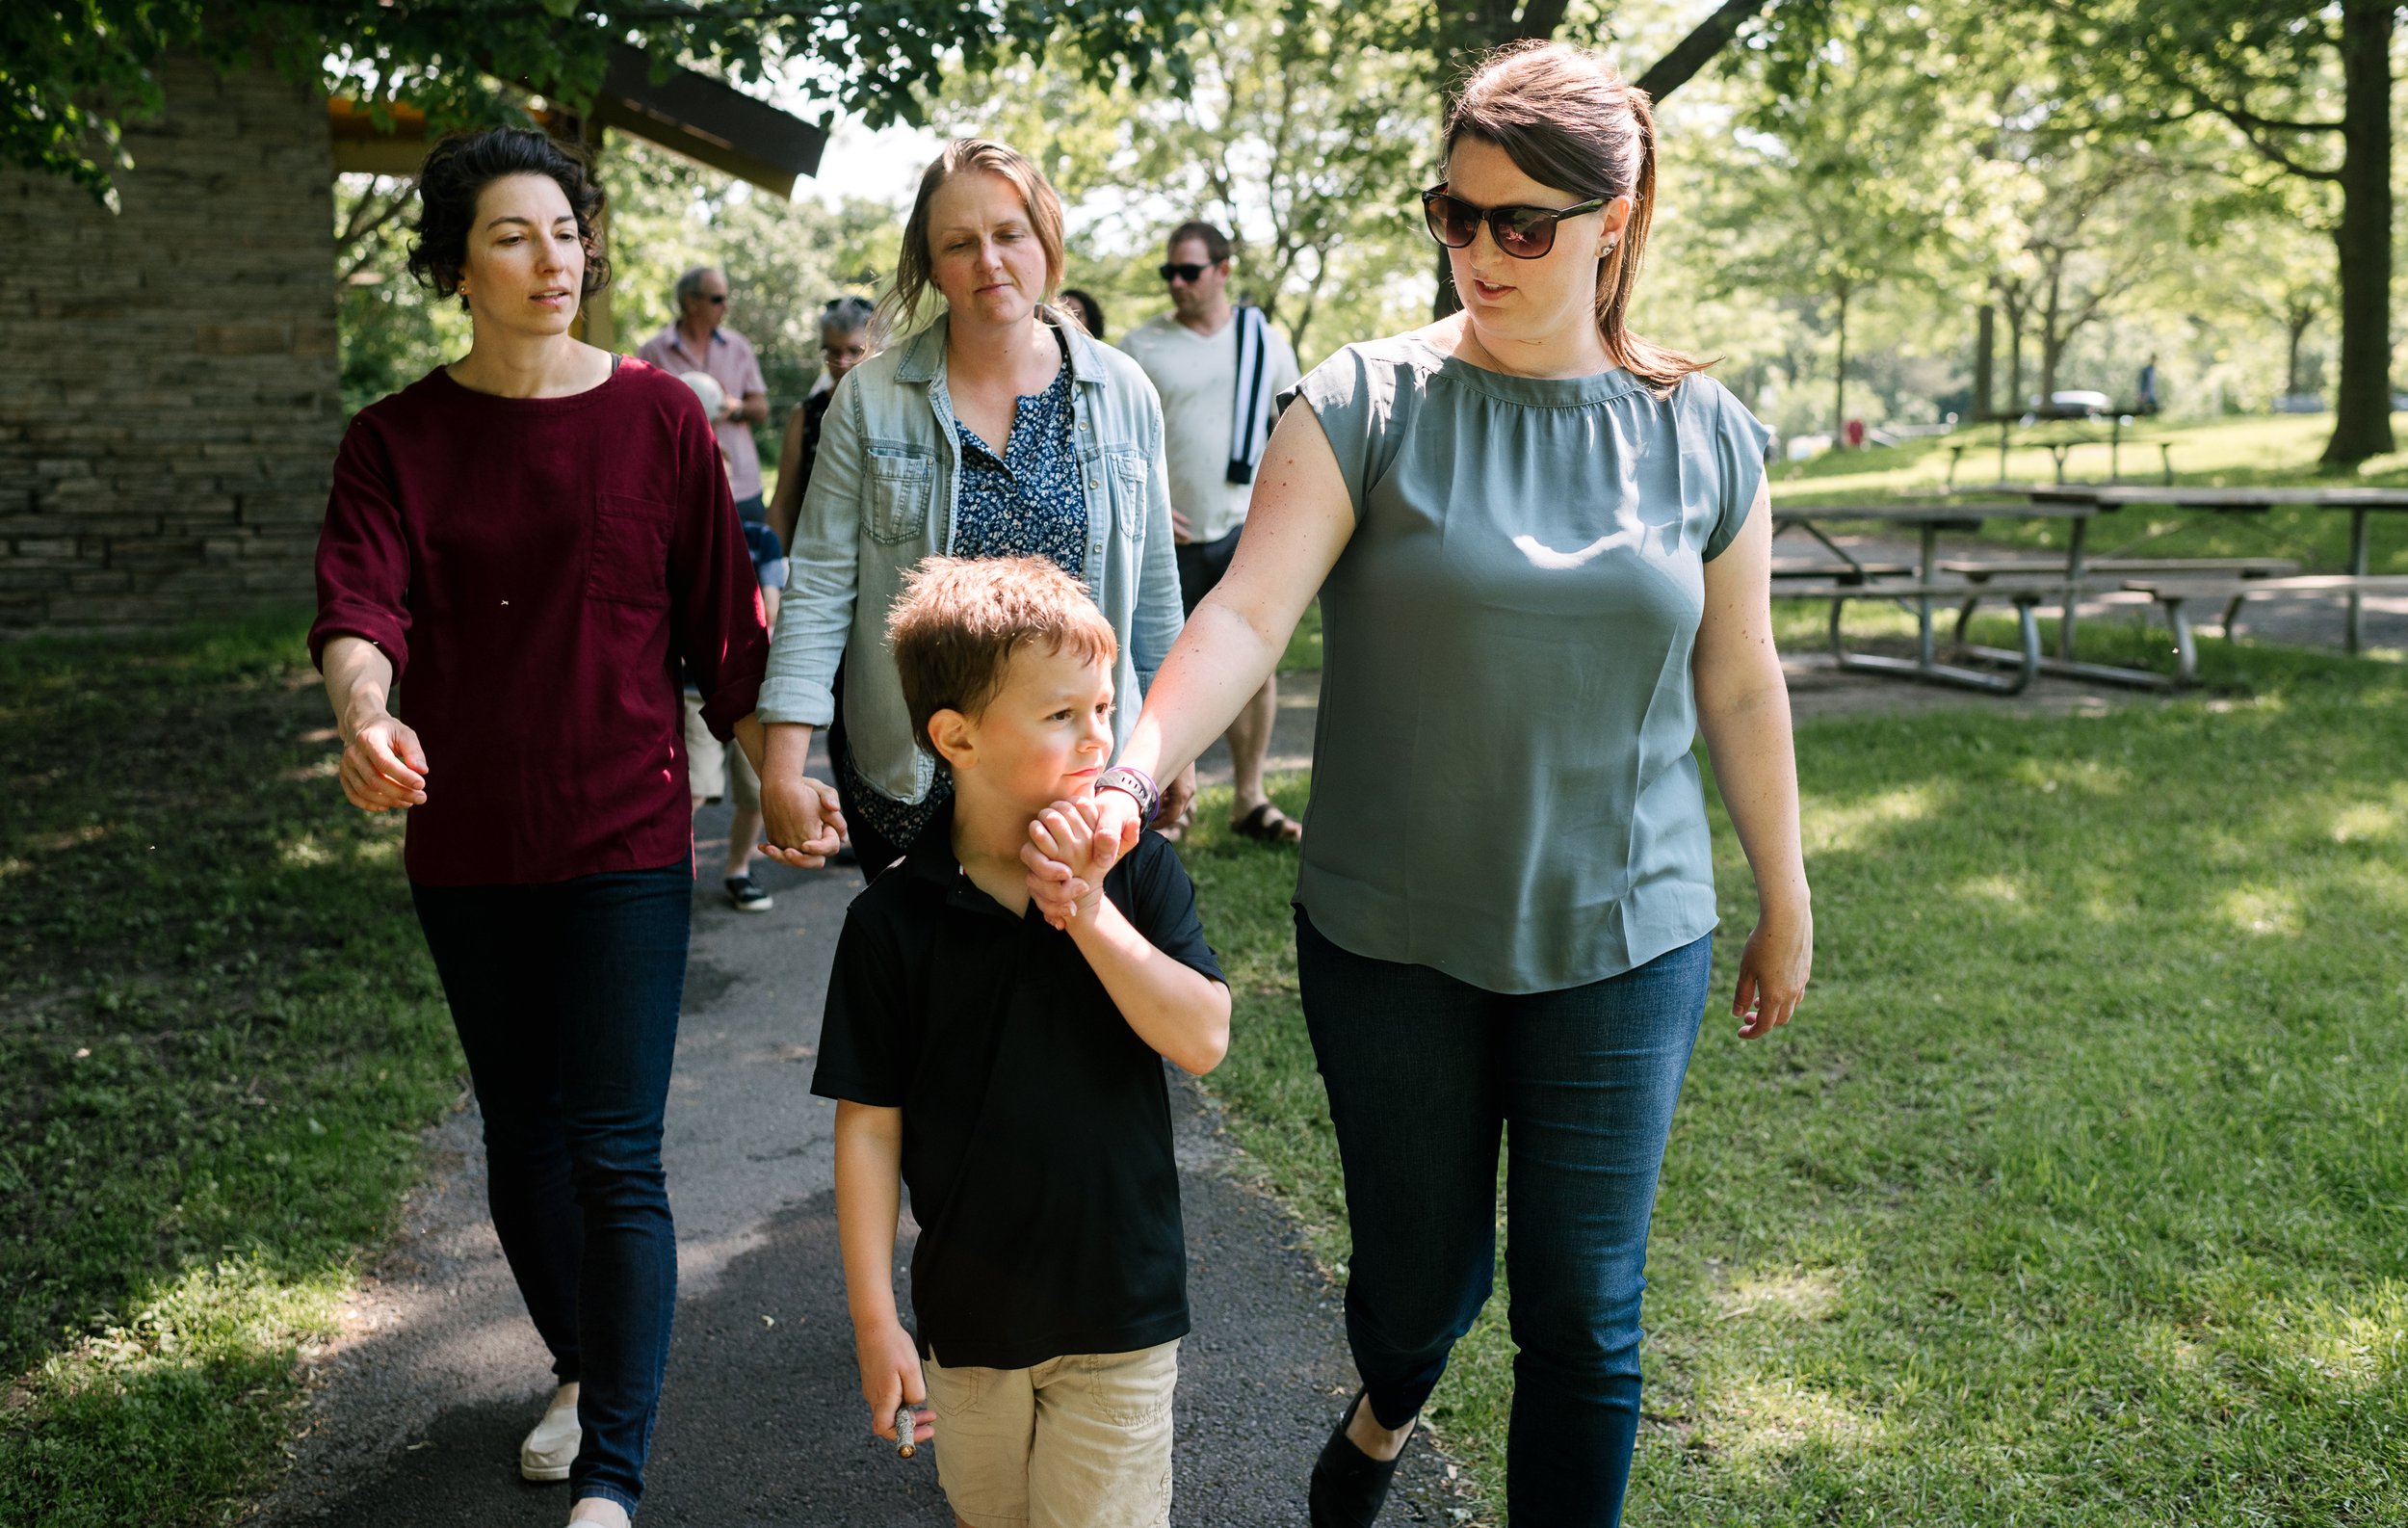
1136	783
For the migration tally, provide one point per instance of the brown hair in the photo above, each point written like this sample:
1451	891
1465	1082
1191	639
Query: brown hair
960	620
1567	119
915	265
1216	242
455	172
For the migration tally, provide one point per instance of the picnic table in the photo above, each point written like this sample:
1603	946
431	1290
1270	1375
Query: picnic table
2362	504
2058	430
1928	521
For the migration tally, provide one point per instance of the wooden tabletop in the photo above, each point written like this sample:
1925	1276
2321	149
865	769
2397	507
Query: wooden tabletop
2114	495
1947	512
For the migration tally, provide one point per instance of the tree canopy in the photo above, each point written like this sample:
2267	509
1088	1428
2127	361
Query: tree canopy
73	72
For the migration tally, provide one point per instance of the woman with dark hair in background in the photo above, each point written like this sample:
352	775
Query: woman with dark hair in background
1086	309
532	540
849	336
1543	548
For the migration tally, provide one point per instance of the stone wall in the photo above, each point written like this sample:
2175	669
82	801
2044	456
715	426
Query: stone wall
169	399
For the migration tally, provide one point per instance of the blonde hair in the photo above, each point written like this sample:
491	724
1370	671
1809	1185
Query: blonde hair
1566	118
900	311
960	621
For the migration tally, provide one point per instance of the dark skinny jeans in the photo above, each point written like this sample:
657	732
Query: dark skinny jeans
565	997
1425	1074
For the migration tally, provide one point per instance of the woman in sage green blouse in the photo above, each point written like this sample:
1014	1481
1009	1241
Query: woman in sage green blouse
1543	549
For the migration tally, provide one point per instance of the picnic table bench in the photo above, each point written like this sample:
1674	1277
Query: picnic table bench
2025	597
1981	570
2176	595
1844	573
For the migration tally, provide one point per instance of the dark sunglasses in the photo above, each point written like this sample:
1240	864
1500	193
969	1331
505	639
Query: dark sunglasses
719	300
1181	272
1525	233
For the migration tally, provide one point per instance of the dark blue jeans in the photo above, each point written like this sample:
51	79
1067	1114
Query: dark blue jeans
1425	1074
565	997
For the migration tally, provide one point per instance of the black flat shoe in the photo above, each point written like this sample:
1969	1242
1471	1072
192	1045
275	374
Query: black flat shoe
1349	1484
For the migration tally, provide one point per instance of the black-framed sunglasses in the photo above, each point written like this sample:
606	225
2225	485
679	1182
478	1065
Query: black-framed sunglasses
1181	272
1525	233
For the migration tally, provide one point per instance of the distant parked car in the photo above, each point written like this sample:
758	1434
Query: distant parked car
2314	402
2076	402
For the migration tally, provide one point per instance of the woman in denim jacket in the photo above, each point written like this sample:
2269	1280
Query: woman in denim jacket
1000	430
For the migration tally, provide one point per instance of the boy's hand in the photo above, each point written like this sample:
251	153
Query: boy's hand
891	1378
1065	833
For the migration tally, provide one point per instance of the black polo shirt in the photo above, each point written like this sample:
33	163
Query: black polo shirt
1036	1124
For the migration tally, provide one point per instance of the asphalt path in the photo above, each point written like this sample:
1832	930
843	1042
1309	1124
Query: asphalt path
418	1408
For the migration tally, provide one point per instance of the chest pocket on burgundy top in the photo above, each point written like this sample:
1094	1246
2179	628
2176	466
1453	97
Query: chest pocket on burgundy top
629	560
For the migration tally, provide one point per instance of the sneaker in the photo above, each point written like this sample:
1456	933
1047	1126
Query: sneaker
552	1447
745	895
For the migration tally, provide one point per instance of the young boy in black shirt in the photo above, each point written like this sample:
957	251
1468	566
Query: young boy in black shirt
1010	1073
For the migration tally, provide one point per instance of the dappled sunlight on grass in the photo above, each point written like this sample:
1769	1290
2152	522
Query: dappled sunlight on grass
1792	1295
2261	911
219	1038
1770	1419
1839	827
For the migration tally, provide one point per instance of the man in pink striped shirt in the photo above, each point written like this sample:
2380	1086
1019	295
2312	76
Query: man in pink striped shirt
700	340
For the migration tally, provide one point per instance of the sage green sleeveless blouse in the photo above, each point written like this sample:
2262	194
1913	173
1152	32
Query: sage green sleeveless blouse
1503	783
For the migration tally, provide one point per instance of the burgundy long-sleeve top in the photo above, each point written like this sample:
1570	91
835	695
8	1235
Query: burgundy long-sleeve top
537	569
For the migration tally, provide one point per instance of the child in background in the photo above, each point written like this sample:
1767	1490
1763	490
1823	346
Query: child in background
1009	1073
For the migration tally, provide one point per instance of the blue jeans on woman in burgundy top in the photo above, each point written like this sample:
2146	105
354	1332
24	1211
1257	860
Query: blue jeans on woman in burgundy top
1425	1074
566	996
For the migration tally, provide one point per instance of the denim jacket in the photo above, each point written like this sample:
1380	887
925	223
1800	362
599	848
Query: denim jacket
884	489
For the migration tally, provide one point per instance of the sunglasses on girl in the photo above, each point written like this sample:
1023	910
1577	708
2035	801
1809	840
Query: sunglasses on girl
1525	233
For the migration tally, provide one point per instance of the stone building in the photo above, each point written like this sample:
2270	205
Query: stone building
169	405
169	409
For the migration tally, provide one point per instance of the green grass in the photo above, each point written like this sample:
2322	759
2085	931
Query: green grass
2076	1196
2236	452
219	1038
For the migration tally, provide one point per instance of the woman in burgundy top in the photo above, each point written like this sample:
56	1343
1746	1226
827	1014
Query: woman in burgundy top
532	541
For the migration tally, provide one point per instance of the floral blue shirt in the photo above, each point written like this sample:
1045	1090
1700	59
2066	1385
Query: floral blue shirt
1026	503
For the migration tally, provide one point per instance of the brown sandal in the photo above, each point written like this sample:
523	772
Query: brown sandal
1268	824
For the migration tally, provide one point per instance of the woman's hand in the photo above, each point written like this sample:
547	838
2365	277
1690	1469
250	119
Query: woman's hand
383	766
891	1378
1773	970
802	822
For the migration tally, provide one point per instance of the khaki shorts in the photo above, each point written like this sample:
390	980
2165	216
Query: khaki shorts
712	766
1081	1441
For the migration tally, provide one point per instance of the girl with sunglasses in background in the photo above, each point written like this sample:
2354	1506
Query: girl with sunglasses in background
1542	547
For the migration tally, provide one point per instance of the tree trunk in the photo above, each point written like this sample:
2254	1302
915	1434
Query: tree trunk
1839	379
2295	328
2362	413
1985	359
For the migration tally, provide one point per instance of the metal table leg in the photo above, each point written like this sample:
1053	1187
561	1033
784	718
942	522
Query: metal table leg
2072	589
2358	515
1930	562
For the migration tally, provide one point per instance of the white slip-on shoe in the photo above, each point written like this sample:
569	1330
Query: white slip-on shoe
552	1447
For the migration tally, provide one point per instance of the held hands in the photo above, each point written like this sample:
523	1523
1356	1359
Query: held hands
1065	835
1773	970
384	766
801	822
1057	884
891	1378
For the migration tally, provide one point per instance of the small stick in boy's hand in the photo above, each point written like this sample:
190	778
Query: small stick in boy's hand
906	1424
